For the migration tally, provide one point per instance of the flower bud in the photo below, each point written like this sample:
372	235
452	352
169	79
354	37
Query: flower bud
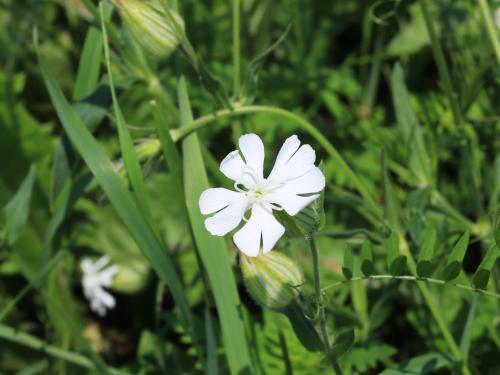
155	30
147	148
271	279
131	277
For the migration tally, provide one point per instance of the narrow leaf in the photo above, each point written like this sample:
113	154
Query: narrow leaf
367	266
466	338
392	211
303	328
419	161
395	262
17	209
120	198
212	366
483	272
131	161
424	265
421	365
454	263
343	342
347	266
212	249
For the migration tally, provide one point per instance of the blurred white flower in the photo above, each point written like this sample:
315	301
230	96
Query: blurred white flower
95	278
288	187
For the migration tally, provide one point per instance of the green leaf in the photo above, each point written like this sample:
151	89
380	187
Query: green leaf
347	265
466	338
454	263
130	158
419	161
304	330
392	211
120	198
212	249
367	266
86	81
89	65
496	234
396	262
421	365
342	344
424	265
16	210
483	272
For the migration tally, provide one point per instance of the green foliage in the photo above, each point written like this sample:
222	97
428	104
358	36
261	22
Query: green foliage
398	99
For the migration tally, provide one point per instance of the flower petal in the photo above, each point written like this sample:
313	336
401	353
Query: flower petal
261	225
227	219
232	166
297	165
247	239
291	203
215	199
290	147
272	230
106	276
311	182
252	148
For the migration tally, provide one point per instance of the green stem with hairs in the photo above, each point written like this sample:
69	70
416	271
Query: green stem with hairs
415	279
319	301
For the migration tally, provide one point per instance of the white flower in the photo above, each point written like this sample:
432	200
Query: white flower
288	187
95	278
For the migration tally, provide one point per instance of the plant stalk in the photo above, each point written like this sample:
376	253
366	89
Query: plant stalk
319	300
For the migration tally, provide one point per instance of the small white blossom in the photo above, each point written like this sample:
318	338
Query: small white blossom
95	278
288	187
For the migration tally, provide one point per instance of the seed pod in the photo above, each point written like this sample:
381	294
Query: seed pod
150	25
271	279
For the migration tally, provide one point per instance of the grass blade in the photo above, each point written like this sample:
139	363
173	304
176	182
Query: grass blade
212	250
16	211
131	161
104	172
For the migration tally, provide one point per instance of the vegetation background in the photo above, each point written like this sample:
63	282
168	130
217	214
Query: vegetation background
405	92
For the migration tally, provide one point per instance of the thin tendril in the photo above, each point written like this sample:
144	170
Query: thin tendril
412	278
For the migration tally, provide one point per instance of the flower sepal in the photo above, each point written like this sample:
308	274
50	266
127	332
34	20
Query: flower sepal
271	279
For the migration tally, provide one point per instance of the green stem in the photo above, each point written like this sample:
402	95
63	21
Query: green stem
490	27
319	300
24	339
317	291
236	49
414	278
179	134
426	294
444	72
236	126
